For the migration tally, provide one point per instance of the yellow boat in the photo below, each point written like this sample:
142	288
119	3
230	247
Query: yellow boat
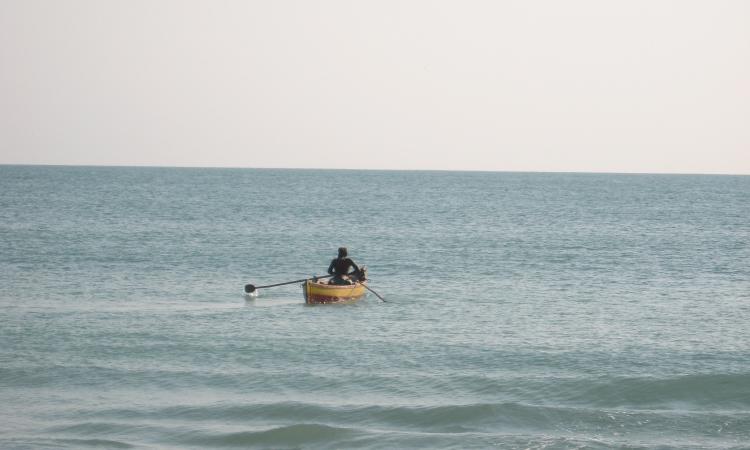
320	292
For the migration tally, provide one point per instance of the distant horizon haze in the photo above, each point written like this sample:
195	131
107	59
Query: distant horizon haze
137	166
583	86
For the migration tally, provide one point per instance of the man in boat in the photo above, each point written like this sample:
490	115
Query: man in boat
339	268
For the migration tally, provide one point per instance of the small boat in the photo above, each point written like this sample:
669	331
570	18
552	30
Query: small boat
320	292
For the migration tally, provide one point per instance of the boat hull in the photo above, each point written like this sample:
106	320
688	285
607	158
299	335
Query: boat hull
317	293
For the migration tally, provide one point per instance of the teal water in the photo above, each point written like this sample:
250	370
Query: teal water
524	310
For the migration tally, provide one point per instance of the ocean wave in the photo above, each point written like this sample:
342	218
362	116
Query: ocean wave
447	426
681	392
716	391
447	418
728	391
290	435
96	443
338	425
41	443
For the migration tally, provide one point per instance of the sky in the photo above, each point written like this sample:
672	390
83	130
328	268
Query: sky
574	86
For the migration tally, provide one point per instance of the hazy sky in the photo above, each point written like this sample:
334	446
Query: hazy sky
600	85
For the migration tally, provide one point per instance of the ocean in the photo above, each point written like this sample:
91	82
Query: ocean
524	310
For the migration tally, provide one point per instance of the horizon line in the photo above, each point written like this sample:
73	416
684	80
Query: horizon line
583	172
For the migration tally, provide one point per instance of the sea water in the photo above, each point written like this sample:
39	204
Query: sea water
524	310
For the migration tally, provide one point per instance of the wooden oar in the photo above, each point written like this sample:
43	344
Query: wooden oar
251	288
376	294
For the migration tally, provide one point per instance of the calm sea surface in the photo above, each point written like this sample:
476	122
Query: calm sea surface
524	310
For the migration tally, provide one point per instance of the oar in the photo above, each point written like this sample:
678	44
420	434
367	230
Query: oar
376	294
251	288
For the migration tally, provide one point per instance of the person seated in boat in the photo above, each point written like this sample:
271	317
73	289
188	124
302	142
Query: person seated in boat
339	268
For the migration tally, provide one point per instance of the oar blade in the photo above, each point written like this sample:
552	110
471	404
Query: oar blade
249	288
376	294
